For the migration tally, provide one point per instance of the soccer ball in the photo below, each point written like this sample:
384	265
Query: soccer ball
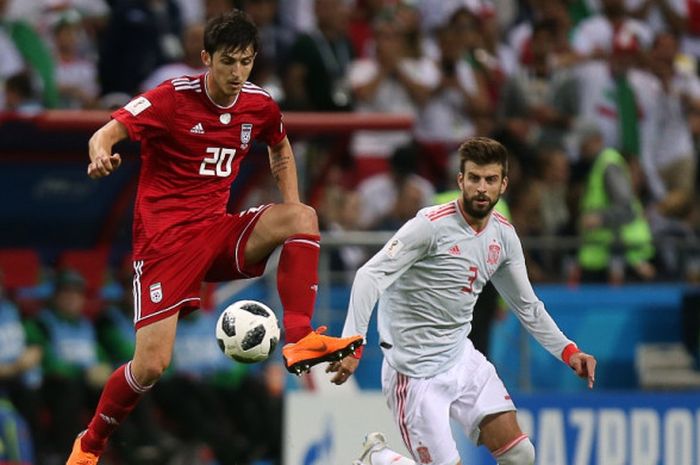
247	331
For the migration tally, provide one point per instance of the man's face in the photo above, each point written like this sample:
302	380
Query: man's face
229	69
70	301
481	186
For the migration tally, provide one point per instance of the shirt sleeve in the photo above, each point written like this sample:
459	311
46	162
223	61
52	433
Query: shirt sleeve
513	285
406	247
148	114
274	130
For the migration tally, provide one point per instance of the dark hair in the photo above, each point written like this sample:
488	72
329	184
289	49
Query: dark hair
550	26
231	32
483	151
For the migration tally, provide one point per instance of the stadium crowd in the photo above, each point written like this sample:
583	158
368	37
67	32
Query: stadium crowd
598	102
556	81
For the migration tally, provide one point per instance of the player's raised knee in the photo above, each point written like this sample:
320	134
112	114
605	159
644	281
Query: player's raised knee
303	219
522	453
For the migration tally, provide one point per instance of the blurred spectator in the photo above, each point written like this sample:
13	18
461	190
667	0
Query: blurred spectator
595	37
10	64
525	200
19	378
34	52
141	36
275	42
447	117
275	39
395	81
298	15
193	12
214	8
189	65
621	98
41	13
673	168
493	58
673	162
660	15
539	103
545	11
73	364
399	193
76	76
554	207
340	212
410	198
20	96
360	26
314	79
617	242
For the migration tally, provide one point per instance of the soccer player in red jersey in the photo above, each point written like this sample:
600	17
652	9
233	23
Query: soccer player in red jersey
194	132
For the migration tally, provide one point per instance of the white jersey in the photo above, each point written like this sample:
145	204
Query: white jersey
427	279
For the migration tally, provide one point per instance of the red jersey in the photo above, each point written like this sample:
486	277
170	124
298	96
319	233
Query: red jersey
191	151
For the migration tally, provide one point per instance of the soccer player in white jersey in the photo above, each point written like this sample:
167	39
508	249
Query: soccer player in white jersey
427	279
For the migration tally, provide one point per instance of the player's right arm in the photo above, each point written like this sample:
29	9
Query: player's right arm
406	247
102	161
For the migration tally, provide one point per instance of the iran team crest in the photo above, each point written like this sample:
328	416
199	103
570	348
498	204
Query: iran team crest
494	253
246	131
156	293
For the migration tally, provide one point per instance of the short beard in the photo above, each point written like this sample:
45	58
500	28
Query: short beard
477	213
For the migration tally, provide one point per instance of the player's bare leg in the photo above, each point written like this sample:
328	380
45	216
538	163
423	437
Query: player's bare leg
295	227
502	435
124	388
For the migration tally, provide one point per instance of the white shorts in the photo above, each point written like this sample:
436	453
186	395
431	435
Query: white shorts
422	407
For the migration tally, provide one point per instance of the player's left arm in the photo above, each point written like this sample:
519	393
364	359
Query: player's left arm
514	286
284	170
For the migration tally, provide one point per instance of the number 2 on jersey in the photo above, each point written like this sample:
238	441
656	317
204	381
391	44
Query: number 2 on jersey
471	277
219	163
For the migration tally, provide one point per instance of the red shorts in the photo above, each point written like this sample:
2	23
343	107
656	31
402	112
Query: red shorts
172	283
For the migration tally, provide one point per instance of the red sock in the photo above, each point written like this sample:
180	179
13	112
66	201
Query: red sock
119	397
297	283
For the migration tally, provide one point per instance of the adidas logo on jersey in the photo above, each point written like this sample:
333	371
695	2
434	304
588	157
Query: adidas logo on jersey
454	250
197	129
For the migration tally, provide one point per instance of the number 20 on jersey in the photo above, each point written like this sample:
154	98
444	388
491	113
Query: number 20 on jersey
218	163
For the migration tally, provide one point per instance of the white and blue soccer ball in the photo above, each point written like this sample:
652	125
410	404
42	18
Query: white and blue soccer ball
247	331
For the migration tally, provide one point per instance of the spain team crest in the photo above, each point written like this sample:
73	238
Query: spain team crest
246	131
424	455
494	253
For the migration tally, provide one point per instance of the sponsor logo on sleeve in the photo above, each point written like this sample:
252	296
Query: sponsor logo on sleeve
137	105
393	248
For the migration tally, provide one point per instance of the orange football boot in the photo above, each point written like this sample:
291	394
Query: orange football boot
78	457
315	348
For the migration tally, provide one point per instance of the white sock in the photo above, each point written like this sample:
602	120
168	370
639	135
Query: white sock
387	456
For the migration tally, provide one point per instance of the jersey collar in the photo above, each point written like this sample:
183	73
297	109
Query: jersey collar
206	91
